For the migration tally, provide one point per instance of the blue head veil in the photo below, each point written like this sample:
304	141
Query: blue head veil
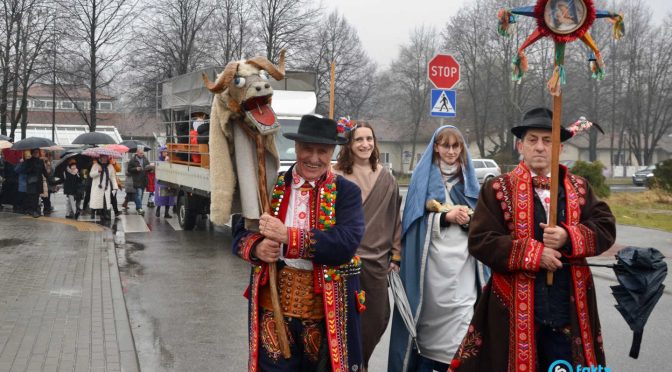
426	182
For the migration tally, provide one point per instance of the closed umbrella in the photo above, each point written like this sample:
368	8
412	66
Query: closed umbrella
640	273
93	138
402	304
32	143
134	144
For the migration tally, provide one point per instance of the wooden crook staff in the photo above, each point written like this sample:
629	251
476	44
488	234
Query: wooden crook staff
555	169
272	267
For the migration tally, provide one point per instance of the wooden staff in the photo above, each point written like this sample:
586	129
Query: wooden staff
272	267
555	169
332	90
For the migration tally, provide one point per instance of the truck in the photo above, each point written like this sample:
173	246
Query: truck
179	98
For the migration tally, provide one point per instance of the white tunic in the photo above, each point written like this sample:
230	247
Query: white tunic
449	291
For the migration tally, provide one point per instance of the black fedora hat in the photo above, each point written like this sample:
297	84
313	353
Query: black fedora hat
313	129
539	118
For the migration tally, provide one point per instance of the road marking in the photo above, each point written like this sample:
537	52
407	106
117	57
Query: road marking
133	223
79	225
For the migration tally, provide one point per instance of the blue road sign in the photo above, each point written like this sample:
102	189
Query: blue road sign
443	103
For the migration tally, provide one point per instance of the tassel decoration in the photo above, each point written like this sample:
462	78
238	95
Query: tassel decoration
618	29
506	21
361	299
519	66
557	79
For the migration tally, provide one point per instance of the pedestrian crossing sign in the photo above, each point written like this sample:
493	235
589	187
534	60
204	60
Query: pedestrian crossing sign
443	103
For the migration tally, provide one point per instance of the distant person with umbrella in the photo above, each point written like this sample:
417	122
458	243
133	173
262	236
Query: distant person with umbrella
103	184
441	279
522	319
10	179
71	187
34	172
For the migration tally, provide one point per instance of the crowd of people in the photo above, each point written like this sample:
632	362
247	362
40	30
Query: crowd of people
473	259
90	185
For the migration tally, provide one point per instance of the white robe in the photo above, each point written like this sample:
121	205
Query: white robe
449	291
100	195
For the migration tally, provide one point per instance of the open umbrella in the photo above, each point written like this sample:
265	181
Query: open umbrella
118	148
93	138
96	152
32	143
4	144
134	144
401	302
60	164
5	138
640	273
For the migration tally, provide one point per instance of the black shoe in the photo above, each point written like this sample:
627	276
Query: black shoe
158	212
77	215
35	214
167	215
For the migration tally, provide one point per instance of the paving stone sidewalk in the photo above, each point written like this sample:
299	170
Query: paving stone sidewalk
61	302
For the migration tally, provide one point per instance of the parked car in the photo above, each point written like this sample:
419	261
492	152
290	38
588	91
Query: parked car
486	169
643	177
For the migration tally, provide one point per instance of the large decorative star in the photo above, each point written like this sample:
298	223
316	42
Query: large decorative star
564	21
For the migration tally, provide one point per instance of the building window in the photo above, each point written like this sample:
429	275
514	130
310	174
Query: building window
81	105
48	104
67	105
38	104
105	105
385	157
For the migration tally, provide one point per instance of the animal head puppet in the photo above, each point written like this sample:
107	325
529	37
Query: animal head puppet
241	104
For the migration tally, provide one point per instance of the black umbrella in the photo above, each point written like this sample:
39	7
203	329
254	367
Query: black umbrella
59	165
640	273
134	144
32	143
5	138
93	138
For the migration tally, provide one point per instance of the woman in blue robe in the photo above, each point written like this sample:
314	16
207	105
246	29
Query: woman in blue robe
441	279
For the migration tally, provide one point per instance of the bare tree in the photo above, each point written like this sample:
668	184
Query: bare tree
409	75
97	40
285	24
338	42
169	42
232	31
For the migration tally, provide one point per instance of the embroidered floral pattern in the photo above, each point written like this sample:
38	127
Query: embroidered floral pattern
269	336
469	347
312	339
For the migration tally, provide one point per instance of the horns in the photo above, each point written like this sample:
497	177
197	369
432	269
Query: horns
223	79
278	73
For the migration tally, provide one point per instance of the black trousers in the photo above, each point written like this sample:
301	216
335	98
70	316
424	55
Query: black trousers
553	343
31	203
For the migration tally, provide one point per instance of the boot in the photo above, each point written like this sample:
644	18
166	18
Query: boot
167	213
158	212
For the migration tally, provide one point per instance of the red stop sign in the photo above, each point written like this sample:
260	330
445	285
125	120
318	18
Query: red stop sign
443	71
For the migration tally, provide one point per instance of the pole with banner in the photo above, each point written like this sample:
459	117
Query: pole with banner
564	25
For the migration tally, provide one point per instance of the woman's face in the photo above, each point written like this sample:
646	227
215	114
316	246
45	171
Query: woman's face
104	159
362	143
449	150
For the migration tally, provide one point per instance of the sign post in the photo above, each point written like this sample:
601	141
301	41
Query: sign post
444	72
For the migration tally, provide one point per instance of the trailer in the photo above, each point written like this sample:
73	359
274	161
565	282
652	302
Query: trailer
187	175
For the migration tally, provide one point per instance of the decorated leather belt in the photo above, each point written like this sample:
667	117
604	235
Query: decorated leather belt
297	295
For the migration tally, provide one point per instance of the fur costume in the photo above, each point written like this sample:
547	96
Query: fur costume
241	108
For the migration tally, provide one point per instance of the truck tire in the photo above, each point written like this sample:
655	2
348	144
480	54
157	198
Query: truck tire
185	216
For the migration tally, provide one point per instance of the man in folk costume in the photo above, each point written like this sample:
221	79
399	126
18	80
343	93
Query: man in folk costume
313	232
544	321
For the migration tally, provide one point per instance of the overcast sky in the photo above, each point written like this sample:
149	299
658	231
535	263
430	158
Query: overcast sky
383	25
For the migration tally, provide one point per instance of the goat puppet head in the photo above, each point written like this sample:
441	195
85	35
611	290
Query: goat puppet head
248	91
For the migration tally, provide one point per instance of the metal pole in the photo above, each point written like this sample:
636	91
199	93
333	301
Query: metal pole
53	87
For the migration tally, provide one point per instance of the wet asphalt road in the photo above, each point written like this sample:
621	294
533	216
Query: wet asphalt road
184	297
